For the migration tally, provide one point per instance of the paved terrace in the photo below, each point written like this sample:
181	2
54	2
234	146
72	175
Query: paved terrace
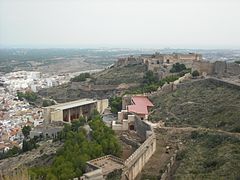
108	163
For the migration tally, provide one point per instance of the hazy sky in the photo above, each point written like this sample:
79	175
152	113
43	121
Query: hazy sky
120	23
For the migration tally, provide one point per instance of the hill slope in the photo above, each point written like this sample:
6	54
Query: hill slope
203	104
117	75
104	84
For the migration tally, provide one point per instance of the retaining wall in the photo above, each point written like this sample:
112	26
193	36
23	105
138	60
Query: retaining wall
135	163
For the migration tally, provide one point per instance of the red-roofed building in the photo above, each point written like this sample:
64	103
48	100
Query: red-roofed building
140	105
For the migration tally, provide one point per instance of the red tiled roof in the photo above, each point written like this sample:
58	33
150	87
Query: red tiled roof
140	106
142	100
139	109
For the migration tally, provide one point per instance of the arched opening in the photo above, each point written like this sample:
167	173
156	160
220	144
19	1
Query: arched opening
168	61
131	127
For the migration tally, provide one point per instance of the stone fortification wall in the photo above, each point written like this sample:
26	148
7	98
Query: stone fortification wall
129	61
218	68
233	69
203	67
218	82
135	163
142	127
167	172
221	82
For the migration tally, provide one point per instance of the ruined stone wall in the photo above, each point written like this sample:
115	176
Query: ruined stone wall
203	67
128	61
221	82
169	167
220	68
126	100
216	81
233	69
190	56
157	61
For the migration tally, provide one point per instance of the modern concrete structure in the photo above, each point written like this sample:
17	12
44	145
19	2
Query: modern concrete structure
67	112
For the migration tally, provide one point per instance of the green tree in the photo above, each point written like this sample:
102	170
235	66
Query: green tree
47	102
26	131
28	95
78	123
81	77
178	68
116	104
10	153
63	169
29	145
150	78
71	159
195	73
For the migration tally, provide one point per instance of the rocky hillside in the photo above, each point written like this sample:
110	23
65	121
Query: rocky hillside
104	84
209	155
200	104
201	154
117	75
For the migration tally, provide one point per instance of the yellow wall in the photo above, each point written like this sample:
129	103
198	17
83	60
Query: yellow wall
102	105
57	115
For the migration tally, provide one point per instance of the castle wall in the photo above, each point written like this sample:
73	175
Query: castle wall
128	61
135	163
220	68
233	69
203	67
223	83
